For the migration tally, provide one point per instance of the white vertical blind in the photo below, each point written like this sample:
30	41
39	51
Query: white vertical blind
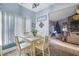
5	29
14	25
19	26
28	24
8	28
0	28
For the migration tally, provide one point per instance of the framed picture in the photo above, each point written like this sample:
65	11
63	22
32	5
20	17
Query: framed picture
41	24
42	18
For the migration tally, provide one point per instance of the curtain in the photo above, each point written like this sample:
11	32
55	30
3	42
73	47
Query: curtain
0	28
13	25
19	26
57	27
28	24
8	28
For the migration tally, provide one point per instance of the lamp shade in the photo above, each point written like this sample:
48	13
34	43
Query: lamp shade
77	10
76	17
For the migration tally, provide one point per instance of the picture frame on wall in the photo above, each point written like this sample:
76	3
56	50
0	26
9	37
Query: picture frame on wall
42	18
41	24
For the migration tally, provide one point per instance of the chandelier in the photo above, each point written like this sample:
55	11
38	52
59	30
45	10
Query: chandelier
35	5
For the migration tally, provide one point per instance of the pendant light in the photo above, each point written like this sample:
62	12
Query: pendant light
76	17
77	10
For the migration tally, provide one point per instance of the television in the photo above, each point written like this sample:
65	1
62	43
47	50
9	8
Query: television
74	25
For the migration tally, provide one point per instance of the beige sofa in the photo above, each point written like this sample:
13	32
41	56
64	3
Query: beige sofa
67	47
73	38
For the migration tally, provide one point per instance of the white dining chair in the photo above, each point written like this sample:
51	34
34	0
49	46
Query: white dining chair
25	47
43	45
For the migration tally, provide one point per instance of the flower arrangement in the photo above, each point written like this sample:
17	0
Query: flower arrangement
34	32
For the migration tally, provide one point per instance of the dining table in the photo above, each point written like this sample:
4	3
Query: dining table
32	40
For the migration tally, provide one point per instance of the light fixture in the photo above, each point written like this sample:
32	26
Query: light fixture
76	17
35	5
77	10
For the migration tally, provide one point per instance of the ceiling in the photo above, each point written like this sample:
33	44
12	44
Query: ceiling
40	7
64	12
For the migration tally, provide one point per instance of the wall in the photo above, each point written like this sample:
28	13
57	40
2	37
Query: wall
45	29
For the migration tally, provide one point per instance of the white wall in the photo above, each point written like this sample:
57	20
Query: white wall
45	29
0	28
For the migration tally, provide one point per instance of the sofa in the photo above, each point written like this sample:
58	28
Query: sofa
64	46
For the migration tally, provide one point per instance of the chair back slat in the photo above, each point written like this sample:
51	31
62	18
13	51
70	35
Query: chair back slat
17	44
26	34
47	40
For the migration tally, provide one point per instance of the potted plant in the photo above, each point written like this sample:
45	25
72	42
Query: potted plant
34	32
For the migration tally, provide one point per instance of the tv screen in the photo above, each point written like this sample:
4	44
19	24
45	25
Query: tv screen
74	25
75	22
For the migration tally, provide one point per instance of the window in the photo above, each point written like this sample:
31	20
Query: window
8	28
14	25
0	28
